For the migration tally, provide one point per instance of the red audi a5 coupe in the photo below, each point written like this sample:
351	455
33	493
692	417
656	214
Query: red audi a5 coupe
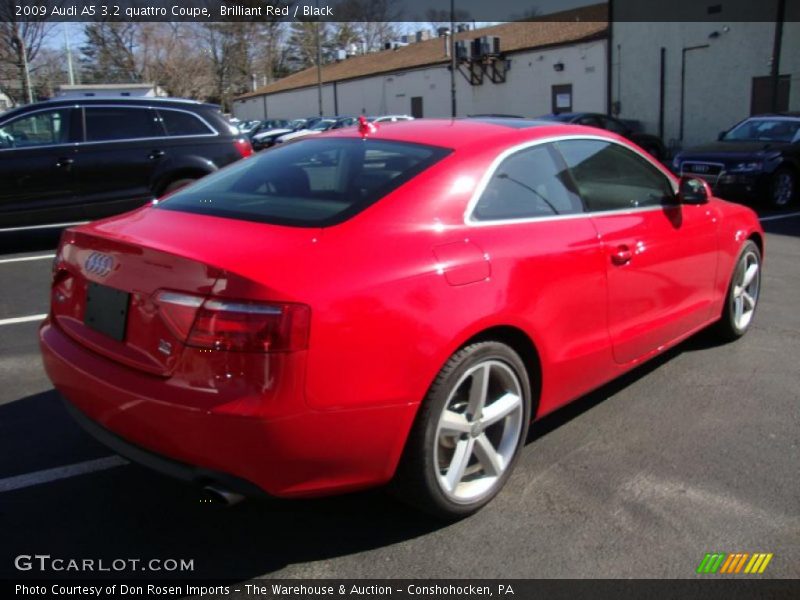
387	305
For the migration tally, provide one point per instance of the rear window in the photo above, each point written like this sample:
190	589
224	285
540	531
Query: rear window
309	183
183	123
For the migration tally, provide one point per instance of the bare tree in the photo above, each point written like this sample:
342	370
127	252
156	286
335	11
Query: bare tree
113	52
20	43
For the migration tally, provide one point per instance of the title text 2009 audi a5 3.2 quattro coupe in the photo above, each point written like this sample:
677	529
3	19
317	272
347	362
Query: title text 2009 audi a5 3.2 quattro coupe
387	305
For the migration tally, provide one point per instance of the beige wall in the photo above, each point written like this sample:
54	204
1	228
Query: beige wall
527	90
718	79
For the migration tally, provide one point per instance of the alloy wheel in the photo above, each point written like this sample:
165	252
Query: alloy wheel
783	189
746	289
478	431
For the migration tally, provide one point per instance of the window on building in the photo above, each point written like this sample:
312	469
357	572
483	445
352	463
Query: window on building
531	183
610	177
561	98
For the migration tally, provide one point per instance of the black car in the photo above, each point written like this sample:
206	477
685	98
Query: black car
78	159
758	158
651	143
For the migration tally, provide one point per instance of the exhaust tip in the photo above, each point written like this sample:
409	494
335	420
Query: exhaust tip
221	497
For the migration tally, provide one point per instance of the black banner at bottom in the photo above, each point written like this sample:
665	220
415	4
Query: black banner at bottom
413	589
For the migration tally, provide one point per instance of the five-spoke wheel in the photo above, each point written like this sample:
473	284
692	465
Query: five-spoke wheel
743	292
468	433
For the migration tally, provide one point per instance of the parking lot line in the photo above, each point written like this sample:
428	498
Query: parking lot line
777	217
28	319
26	258
51	226
46	476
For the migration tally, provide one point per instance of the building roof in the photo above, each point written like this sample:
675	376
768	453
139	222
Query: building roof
106	86
567	27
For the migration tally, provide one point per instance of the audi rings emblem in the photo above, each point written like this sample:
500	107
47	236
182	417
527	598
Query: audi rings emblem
98	264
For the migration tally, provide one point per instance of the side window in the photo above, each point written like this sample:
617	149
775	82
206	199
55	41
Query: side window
531	183
120	123
610	177
44	128
177	122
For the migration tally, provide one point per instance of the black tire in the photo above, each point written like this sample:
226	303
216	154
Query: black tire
727	329
419	480
782	188
173	186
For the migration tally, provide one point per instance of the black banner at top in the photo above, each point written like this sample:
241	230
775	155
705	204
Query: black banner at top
401	10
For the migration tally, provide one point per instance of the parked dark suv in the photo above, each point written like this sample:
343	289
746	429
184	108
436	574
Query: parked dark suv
78	159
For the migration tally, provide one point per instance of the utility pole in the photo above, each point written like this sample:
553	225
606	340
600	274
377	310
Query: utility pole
453	57
69	55
775	67
319	64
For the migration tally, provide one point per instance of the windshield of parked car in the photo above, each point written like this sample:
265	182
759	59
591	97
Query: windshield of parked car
765	130
323	125
310	183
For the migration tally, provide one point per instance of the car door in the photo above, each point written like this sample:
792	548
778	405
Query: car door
37	179
530	220
660	256
123	146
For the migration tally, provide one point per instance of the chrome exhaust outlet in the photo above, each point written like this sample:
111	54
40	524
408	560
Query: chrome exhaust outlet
217	495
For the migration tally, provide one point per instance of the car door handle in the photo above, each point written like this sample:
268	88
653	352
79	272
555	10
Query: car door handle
64	162
621	255
156	154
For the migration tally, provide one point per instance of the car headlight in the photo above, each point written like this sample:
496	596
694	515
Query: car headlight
747	167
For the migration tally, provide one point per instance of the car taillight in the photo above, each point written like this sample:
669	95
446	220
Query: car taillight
217	324
178	311
244	147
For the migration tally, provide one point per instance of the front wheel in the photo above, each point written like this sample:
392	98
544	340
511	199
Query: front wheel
743	294
469	432
783	188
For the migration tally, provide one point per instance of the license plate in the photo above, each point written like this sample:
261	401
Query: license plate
106	310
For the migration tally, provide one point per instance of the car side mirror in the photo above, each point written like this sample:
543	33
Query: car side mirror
721	136
692	190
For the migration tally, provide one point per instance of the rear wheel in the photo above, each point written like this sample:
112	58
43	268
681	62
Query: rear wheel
469	432
743	293
783	188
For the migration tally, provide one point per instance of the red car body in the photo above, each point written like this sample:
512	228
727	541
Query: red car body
386	297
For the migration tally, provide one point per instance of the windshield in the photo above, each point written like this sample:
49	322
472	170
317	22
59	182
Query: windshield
765	130
310	183
322	125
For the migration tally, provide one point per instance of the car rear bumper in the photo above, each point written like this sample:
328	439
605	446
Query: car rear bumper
162	464
295	452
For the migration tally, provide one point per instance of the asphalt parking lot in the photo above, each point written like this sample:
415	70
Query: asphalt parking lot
696	452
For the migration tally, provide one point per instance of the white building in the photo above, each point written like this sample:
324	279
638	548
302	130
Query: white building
110	90
688	81
543	67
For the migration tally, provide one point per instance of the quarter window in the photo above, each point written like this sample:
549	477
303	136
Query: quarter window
182	123
610	177
531	183
120	123
44	128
